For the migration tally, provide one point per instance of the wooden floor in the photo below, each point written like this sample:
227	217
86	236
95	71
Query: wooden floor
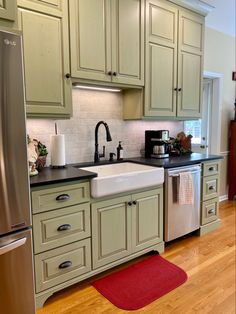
209	262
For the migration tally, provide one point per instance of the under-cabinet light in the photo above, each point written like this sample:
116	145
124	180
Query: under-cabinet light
105	89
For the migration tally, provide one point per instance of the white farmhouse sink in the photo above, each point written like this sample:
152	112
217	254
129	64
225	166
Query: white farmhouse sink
123	177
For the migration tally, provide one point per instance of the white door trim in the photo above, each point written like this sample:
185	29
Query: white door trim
216	110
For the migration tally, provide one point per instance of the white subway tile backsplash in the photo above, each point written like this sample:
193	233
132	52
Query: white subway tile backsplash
89	107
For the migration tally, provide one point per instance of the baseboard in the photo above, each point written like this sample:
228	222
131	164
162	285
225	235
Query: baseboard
223	198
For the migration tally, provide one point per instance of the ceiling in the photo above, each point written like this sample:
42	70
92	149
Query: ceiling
222	17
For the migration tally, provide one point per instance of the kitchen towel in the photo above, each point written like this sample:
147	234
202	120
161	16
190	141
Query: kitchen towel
58	150
185	188
142	283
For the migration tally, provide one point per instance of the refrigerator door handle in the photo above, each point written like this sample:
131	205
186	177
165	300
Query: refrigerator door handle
12	246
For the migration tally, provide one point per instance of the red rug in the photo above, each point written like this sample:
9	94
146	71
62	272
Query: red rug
140	284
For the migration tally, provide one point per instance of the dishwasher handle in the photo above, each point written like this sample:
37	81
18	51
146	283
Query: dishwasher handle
177	174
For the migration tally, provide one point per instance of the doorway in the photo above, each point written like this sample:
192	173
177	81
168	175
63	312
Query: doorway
206	131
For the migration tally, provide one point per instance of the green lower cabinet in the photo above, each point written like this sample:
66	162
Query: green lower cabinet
59	265
210	197
147	219
126	225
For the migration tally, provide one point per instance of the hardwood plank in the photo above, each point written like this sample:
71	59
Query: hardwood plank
208	260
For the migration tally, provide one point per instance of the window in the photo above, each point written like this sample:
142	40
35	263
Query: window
194	128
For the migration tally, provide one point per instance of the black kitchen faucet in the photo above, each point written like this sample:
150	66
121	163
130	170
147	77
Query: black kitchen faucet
97	155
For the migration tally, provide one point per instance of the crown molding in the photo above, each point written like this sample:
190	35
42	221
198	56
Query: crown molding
195	5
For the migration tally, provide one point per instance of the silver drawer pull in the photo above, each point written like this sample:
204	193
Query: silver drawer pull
64	227
211	211
65	264
62	197
211	168
211	187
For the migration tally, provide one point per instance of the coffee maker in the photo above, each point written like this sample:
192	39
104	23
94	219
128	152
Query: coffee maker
157	143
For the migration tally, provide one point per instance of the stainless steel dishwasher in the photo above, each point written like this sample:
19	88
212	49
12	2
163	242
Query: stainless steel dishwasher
181	219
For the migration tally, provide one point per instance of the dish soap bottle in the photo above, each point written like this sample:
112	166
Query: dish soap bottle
120	152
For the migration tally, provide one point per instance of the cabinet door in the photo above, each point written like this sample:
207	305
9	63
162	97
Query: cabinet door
111	230
54	7
46	60
147	219
90	40
190	64
161	59
128	41
8	10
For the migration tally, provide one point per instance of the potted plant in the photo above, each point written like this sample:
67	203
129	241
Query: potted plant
41	151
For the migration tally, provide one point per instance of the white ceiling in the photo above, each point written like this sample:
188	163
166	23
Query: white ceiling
222	17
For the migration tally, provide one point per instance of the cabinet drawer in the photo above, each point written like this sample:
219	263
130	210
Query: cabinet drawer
60	227
211	168
209	211
210	187
50	198
59	265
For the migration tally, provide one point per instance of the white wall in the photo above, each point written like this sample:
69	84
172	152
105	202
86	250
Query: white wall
89	107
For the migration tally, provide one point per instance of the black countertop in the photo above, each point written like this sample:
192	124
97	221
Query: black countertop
71	172
177	161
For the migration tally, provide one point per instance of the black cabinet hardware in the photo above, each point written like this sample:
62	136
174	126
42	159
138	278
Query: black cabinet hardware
211	211
63	197
68	75
64	227
65	264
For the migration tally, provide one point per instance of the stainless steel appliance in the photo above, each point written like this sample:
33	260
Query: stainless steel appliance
181	219
157	143
16	270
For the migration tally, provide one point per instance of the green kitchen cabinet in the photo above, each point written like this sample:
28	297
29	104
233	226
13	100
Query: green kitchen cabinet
125	225
173	65
174	61
53	7
210	196
46	58
8	10
107	40
61	236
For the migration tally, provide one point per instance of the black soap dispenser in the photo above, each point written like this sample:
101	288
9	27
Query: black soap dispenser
120	152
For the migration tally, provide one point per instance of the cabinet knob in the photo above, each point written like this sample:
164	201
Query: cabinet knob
211	211
175	89
129	203
211	168
68	75
134	202
62	197
109	73
179	89
211	187
114	74
64	227
65	264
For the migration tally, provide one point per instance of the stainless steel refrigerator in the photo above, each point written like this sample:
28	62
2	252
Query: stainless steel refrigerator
16	267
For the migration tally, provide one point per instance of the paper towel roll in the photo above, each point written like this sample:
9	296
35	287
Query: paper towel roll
58	150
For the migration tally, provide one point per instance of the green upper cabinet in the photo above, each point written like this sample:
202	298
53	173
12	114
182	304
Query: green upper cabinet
190	64
46	57
174	61
8	10
107	40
